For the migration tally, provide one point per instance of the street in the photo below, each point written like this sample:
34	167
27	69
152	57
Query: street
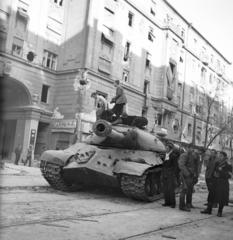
30	209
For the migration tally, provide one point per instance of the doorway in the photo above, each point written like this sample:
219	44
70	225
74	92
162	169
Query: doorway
7	136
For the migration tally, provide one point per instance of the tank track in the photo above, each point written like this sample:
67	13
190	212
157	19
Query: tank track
53	175
135	186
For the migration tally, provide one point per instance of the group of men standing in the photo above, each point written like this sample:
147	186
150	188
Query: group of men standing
184	168
179	169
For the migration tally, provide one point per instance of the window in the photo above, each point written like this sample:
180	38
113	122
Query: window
179	93
200	105
45	93
21	22
49	60
146	87
125	76
191	107
127	51
175	125
106	50
104	66
158	119
212	58
130	19
152	11
107	44
182	32
3	37
17	47
58	2
189	129
198	134
148	60
191	92
203	74
173	67
151	34
211	78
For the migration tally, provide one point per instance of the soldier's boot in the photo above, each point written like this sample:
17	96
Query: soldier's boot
208	210
182	203
220	208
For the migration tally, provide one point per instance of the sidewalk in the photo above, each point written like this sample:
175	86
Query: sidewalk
14	176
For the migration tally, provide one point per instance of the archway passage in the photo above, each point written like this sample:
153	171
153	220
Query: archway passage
15	93
14	96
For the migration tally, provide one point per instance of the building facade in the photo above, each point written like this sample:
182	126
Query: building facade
55	53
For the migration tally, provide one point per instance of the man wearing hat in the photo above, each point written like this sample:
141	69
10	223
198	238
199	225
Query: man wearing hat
169	172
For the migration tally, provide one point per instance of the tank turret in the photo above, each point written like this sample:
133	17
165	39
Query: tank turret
124	137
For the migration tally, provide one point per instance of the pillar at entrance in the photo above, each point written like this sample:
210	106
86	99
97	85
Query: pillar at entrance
30	134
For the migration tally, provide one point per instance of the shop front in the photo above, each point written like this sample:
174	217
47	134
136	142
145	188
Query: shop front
63	133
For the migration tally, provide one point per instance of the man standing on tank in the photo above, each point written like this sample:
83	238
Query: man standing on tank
120	100
169	172
188	166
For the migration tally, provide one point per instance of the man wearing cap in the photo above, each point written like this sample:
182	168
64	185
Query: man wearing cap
188	166
169	171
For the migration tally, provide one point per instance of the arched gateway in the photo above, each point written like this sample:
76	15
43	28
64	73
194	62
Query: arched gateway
15	98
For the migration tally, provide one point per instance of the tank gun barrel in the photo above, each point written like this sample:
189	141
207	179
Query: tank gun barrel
126	137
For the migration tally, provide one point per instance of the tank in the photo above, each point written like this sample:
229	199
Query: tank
112	156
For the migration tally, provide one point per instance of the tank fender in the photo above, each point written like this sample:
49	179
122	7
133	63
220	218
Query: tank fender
57	157
131	168
60	157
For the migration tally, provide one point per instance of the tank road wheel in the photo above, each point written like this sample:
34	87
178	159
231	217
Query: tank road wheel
145	187
53	175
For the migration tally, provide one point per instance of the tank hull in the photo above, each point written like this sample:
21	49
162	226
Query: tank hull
85	164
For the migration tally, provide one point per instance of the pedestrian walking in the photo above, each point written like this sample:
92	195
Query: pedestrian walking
120	100
220	190
18	151
188	166
169	172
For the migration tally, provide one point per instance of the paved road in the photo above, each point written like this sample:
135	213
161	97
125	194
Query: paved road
39	212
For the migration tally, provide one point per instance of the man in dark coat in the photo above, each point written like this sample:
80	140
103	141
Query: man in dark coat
210	164
120	100
220	190
169	172
188	166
